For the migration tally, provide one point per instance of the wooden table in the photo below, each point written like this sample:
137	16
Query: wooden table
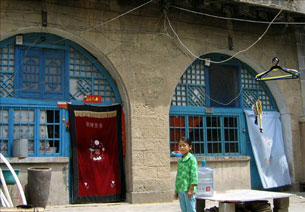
227	199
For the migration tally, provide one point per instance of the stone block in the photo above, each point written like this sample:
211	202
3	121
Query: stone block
144	172
137	158
151	185
163	172
151	197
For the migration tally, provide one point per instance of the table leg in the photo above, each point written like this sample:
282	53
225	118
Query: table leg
281	204
226	207
200	205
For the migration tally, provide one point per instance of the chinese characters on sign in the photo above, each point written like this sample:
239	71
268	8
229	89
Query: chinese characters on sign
92	99
94	124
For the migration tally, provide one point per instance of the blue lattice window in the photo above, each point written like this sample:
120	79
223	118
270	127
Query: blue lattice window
194	90
66	71
7	70
42	127
208	103
191	89
41	74
253	90
33	78
86	78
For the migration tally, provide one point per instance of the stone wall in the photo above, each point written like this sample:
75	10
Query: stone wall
146	61
300	36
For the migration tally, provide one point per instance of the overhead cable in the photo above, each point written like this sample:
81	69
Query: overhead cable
119	16
106	22
237	53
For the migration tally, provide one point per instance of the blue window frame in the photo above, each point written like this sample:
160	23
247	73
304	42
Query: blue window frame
33	78
208	103
211	135
41	73
41	126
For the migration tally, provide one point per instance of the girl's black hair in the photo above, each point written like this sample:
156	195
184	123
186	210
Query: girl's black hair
186	140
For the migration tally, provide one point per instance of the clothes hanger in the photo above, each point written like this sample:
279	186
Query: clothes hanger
291	73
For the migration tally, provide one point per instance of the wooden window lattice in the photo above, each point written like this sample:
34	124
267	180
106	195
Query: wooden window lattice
44	133
191	89
86	79
211	134
7	71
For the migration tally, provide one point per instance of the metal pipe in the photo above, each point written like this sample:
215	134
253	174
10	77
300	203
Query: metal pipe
16	179
7	194
3	199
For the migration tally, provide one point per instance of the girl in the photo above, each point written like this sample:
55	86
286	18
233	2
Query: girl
187	177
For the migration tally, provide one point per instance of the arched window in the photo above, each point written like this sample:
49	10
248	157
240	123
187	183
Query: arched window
35	77
208	104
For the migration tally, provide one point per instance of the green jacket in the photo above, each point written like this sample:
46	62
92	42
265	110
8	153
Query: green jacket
187	173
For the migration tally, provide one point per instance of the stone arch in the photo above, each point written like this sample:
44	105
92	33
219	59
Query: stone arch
281	103
109	66
279	99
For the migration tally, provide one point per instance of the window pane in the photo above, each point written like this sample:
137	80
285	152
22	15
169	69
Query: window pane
196	134
4	131
176	134
53	75
31	146
198	148
23	124
231	147
213	121
177	121
231	134
224	86
3	146
177	130
49	131
214	148
214	134
30	73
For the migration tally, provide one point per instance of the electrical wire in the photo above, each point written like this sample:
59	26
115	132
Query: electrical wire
92	28
225	104
119	16
236	19
165	32
234	55
106	22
